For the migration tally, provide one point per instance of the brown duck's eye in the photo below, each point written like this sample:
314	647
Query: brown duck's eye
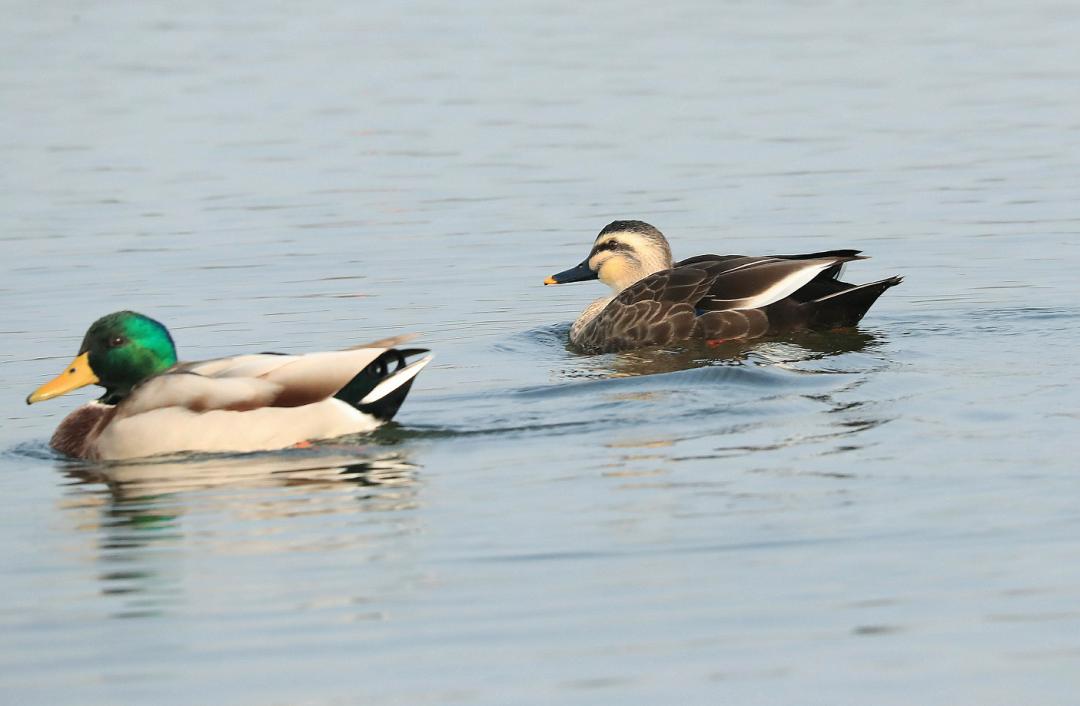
117	341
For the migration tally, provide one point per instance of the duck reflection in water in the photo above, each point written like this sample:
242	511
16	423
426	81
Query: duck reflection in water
794	348
325	467
133	513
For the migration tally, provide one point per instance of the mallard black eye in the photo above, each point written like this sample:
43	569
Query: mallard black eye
117	341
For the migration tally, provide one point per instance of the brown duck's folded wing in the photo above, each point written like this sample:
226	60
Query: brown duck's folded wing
714	260
828	282
752	283
839	254
731	261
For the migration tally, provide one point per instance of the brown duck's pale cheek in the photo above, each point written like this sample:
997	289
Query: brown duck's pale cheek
614	272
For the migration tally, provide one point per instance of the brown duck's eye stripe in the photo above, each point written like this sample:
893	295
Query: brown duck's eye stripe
611	245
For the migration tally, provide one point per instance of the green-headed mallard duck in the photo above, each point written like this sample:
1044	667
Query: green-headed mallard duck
708	297
155	405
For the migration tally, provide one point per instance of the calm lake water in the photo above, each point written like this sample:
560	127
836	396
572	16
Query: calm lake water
881	517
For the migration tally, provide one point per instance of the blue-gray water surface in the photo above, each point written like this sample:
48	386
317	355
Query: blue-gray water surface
880	516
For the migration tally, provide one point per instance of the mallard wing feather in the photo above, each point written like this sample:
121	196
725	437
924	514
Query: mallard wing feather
199	393
385	343
303	379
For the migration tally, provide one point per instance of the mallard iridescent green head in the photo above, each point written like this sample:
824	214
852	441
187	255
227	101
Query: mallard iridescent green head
118	352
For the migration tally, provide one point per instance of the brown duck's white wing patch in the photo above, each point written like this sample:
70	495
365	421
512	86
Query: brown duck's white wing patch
198	393
760	283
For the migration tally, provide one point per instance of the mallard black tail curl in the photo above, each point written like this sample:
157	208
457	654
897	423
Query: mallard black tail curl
381	387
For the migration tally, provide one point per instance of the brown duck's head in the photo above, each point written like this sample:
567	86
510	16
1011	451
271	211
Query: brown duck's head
623	253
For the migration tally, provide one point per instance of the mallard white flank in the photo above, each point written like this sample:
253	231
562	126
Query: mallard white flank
708	297
154	405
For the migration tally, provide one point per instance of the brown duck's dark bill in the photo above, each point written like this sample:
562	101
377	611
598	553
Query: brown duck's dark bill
574	274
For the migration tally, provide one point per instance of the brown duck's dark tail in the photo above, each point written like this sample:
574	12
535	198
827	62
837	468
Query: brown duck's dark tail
846	307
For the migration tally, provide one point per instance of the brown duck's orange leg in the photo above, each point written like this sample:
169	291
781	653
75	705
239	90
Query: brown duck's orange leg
302	445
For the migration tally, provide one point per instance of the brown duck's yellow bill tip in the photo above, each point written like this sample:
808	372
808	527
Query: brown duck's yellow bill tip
551	280
78	374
